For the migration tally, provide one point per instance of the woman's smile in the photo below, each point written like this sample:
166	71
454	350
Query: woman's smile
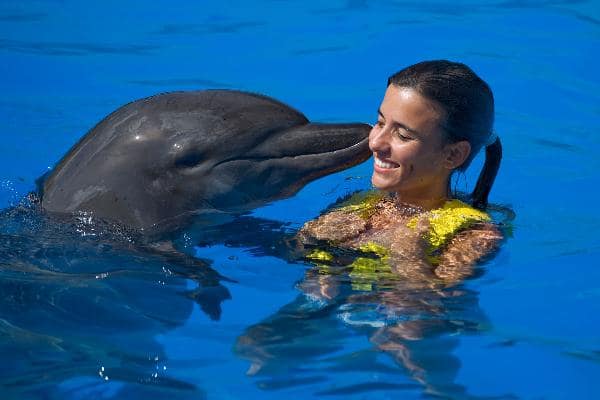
384	165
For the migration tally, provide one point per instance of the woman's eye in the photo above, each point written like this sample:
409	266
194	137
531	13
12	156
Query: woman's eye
402	136
379	124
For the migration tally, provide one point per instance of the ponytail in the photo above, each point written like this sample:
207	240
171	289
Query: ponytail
493	155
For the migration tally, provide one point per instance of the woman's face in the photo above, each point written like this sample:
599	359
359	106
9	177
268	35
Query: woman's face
408	146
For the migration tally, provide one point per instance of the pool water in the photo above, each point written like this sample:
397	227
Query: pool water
85	313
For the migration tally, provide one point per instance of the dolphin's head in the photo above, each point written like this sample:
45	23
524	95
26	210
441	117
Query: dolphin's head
279	164
158	161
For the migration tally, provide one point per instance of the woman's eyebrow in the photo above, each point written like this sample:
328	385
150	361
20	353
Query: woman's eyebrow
400	124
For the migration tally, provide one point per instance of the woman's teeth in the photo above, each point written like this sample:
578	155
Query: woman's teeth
383	164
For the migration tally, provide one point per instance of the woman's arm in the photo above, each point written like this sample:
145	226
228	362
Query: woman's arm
335	227
465	249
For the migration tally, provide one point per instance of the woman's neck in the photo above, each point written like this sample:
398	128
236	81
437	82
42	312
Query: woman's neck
429	200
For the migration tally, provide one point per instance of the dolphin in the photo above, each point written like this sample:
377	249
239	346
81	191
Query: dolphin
157	162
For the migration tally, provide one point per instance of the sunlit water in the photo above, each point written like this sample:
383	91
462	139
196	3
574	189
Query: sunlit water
85	312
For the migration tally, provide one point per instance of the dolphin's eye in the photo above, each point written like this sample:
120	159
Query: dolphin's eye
188	160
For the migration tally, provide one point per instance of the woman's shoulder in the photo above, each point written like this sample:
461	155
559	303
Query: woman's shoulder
445	222
456	213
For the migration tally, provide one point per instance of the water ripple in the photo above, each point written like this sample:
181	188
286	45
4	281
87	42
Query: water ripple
74	49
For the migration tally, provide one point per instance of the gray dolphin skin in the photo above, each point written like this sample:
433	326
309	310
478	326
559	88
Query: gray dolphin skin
156	162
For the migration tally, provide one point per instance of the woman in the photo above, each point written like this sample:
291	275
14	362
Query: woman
434	119
408	239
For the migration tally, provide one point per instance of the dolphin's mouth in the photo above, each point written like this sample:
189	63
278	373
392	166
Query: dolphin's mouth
343	158
324	148
338	158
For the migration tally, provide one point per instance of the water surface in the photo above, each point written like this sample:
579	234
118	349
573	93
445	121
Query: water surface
86	314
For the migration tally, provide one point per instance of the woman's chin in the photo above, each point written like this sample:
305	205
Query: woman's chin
381	183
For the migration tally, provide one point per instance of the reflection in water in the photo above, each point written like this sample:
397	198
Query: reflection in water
79	300
415	327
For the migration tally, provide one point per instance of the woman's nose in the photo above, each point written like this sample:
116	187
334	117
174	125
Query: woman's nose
378	139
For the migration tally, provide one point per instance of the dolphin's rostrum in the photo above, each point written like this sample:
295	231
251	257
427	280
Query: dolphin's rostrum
154	163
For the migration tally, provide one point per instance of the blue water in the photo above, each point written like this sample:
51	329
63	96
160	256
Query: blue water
82	317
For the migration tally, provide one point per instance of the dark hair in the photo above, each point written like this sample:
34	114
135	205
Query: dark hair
469	105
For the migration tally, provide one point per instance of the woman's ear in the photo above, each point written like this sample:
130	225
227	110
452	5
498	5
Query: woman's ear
456	154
